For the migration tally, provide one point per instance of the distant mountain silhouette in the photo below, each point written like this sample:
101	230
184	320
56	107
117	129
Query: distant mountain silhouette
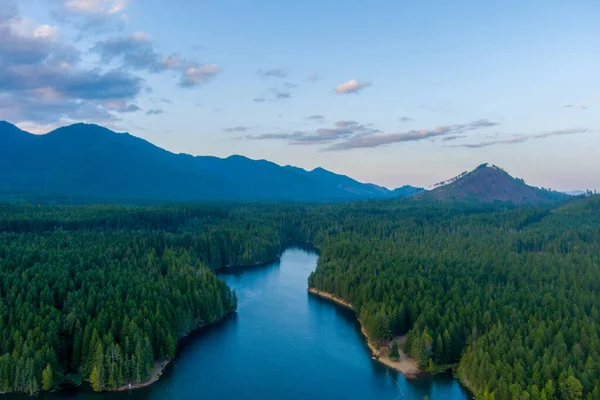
487	184
89	161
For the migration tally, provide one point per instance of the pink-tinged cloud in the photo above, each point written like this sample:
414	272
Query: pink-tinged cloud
352	86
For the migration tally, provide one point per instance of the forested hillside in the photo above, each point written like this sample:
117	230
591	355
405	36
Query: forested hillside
102	293
510	295
513	295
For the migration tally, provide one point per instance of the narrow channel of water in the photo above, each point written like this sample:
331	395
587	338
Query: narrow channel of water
282	344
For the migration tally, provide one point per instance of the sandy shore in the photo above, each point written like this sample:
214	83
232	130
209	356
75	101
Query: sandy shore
154	375
406	365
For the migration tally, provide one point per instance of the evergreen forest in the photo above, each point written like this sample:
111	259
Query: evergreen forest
509	297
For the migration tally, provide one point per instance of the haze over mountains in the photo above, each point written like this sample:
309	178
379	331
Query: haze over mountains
89	161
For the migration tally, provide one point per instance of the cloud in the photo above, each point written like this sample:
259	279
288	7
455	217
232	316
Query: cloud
314	77
121	106
32	109
453	137
346	123
166	101
92	15
273	73
268	136
352	86
96	7
583	107
275	94
289	85
136	52
571	131
518	139
410	136
316	117
522	139
95	85
8	11
283	95
198	75
45	31
237	129
43	81
341	130
405	119
155	111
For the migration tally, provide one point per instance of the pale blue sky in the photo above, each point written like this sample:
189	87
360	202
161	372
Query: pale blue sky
439	86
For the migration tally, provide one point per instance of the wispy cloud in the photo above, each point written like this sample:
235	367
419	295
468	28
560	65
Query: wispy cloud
570	131
523	139
514	140
283	95
98	7
155	111
273	73
237	129
316	117
352	86
314	77
121	106
276	93
136	52
405	119
195	76
581	106
410	136
341	130
453	137
92	15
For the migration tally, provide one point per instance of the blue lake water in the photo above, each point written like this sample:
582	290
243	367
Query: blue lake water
281	344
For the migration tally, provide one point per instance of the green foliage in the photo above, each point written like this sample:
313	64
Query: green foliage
47	378
106	291
510	294
394	353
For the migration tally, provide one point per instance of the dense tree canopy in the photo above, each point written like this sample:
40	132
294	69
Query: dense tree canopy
510	295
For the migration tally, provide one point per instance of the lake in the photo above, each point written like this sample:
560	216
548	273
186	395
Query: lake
281	344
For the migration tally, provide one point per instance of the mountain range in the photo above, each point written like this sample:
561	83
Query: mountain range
84	161
89	161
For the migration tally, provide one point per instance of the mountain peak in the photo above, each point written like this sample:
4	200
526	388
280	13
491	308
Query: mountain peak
93	162
8	128
489	183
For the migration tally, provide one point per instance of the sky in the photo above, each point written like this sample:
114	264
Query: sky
388	92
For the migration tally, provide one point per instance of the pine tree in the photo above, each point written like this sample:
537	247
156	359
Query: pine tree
96	379
394	353
47	378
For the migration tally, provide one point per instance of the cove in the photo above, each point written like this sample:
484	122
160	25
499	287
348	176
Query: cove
281	344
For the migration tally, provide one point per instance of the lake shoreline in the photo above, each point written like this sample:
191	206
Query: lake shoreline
157	371
406	365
